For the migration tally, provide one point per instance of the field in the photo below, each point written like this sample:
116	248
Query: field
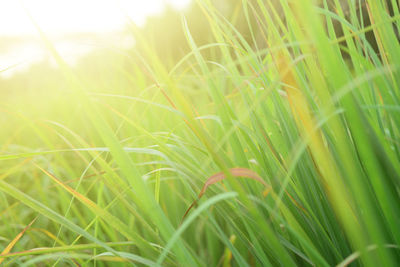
263	135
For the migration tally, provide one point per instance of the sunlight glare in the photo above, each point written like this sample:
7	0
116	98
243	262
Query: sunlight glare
75	27
61	16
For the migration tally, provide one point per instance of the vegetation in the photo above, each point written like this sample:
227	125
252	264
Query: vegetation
279	122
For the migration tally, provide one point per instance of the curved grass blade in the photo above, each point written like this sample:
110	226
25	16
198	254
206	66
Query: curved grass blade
49	213
193	216
15	240
102	213
235	172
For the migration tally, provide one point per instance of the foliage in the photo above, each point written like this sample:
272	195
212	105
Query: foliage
109	155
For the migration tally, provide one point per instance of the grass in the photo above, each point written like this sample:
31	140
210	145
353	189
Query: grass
99	165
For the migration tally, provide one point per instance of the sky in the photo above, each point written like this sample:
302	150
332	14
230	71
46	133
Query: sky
72	16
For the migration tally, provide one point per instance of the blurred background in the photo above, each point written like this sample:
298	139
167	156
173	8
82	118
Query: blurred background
95	37
76	28
99	42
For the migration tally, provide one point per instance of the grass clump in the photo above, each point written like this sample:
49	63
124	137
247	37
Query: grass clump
301	97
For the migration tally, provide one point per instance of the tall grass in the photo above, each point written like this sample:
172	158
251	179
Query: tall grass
109	164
